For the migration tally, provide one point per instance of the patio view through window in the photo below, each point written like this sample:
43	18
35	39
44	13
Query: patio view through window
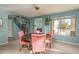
64	26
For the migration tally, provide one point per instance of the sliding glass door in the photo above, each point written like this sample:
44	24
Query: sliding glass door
38	23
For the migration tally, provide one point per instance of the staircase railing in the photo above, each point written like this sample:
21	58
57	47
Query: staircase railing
18	23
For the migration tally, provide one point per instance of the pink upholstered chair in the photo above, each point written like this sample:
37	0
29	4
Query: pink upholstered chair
38	43
22	42
48	39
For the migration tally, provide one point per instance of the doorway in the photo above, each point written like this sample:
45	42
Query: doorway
10	27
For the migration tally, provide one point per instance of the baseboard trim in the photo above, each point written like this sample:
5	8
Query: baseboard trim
3	43
67	42
56	50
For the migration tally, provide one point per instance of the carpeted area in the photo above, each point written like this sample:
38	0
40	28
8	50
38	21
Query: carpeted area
12	47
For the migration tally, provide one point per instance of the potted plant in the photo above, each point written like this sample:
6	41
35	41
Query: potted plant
64	26
47	20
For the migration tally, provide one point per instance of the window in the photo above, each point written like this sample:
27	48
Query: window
64	25
38	23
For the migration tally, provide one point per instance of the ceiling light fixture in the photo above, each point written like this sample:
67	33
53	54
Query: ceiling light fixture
36	6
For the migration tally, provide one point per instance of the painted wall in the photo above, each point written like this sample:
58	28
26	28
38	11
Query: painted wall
4	27
69	39
15	30
31	25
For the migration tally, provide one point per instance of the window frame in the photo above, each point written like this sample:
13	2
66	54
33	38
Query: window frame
73	33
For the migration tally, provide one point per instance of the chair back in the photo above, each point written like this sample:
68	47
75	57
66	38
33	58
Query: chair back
50	33
21	33
38	42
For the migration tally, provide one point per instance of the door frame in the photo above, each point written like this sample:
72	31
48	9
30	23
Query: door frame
10	25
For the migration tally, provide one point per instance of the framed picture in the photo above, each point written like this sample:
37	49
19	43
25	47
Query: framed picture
0	22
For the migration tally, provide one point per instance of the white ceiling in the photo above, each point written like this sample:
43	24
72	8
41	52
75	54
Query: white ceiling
29	10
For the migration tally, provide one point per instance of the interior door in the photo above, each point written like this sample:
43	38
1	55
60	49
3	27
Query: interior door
10	34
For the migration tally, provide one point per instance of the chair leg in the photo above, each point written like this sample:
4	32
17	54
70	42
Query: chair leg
21	47
28	47
50	45
43	52
46	45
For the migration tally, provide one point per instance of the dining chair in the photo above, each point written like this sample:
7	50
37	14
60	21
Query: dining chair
22	42
48	39
38	43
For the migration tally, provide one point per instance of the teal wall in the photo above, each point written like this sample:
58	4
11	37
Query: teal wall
15	30
70	39
4	27
31	25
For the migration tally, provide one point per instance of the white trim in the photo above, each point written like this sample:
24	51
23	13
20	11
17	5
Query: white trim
67	42
56	50
3	43
59	51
